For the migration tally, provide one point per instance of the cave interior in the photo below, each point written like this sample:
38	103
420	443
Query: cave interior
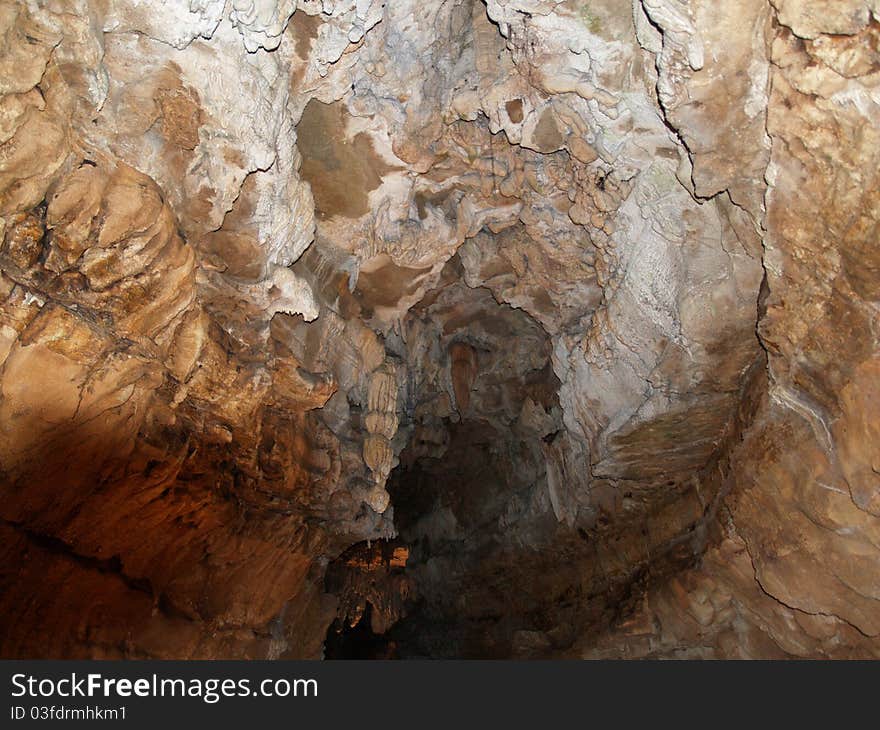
463	329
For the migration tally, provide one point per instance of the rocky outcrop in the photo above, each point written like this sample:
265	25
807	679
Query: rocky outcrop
793	572
576	301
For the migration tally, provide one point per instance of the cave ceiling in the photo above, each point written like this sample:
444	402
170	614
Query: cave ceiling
516	328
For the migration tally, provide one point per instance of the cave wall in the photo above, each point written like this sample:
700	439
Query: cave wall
255	255
794	573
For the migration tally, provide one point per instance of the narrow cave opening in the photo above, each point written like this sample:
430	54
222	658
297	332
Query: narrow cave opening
498	550
481	411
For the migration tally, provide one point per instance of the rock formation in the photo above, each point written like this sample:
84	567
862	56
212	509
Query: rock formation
503	328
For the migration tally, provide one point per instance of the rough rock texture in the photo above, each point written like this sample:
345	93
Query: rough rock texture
576	300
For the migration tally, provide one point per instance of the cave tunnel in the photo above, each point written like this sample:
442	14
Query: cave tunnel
452	329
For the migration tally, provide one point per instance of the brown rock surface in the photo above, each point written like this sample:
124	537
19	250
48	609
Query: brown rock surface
575	302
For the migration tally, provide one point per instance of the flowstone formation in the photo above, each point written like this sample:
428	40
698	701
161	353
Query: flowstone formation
515	328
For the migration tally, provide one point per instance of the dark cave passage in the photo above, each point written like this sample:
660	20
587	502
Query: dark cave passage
494	555
481	412
359	641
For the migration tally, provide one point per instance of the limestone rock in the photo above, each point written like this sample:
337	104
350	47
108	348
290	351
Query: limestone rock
576	302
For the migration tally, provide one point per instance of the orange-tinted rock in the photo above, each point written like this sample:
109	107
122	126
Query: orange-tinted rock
578	304
463	362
